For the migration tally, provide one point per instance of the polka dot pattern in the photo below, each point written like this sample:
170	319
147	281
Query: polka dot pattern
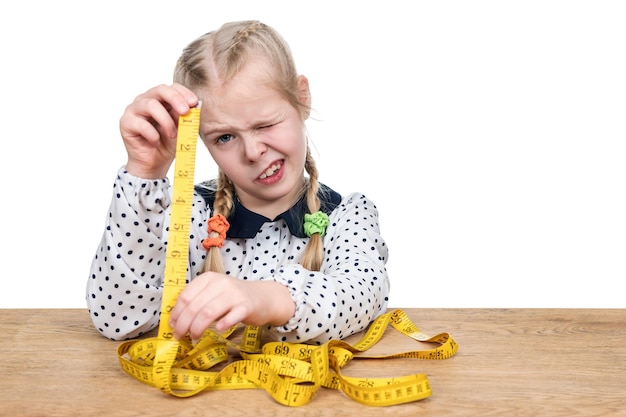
124	287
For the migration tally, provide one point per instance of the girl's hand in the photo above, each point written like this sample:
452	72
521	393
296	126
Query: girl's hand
149	127
214	298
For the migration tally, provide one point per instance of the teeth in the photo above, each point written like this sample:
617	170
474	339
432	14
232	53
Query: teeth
270	171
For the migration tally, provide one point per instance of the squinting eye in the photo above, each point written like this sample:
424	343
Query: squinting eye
224	138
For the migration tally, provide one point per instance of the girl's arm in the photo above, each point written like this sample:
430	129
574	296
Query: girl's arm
351	289
126	277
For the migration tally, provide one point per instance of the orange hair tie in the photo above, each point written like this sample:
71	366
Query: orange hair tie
220	225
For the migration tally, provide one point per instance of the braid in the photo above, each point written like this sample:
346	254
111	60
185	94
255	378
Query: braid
314	252
223	205
242	36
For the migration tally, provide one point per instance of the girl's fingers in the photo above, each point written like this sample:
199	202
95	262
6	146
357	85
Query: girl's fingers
235	315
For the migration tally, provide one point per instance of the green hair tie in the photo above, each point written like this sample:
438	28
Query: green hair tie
315	223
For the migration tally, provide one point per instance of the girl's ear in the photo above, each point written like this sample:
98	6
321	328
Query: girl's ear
304	95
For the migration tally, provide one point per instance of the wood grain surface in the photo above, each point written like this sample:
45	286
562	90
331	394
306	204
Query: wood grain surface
511	362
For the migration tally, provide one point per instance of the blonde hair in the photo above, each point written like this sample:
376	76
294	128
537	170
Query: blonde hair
221	54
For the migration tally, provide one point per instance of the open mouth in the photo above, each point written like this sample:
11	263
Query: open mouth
273	169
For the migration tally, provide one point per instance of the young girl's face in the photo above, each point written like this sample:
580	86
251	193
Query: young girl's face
257	138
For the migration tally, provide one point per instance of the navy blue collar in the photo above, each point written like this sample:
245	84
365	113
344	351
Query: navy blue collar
245	223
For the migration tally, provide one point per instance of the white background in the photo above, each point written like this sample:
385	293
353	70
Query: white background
490	134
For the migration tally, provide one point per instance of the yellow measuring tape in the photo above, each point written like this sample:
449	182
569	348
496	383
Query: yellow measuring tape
291	373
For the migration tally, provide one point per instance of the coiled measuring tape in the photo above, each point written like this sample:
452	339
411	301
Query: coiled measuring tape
290	373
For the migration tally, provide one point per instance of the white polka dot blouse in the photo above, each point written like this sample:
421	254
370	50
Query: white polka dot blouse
351	289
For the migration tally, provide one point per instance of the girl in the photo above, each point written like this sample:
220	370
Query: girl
269	245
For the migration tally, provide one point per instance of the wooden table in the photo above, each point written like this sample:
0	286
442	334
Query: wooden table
511	362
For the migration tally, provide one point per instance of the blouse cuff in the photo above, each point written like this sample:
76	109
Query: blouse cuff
152	194
285	276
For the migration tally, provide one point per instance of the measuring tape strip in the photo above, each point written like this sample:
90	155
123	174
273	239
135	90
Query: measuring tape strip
177	253
290	373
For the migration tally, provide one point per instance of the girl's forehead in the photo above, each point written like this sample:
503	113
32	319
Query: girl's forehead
240	105
241	93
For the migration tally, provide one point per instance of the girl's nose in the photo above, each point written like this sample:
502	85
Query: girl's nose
253	148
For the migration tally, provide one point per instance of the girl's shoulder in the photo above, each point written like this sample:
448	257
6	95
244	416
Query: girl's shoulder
206	190
355	204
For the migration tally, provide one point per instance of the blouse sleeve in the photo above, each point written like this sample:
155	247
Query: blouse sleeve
124	287
352	287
